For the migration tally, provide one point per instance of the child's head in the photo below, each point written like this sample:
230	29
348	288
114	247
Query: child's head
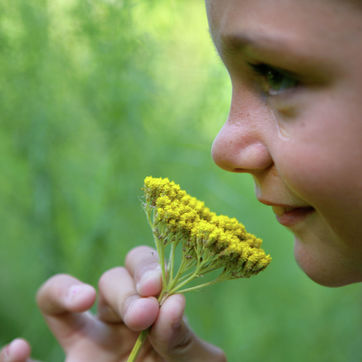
295	121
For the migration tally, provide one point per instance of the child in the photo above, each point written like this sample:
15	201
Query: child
295	124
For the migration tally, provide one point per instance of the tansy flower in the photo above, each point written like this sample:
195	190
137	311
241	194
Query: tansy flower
207	242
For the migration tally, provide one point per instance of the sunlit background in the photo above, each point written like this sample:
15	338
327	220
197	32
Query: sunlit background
96	95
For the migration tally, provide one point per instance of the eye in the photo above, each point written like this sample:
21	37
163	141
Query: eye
275	81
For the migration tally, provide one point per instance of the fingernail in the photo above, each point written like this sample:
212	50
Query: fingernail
141	313
78	291
149	278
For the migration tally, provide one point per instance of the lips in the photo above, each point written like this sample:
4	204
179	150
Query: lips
289	215
280	210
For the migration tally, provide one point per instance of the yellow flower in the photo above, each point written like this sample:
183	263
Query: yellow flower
207	242
224	240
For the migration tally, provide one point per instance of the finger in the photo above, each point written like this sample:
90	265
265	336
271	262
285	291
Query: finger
61	300
17	351
63	293
143	265
119	301
173	339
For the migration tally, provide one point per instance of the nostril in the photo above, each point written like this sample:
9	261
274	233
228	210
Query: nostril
240	170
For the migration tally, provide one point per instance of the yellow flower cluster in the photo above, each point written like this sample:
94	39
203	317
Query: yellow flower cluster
213	241
208	242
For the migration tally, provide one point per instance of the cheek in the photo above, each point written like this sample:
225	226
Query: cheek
324	170
332	185
321	156
306	171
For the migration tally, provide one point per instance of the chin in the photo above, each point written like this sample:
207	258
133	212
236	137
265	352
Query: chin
329	272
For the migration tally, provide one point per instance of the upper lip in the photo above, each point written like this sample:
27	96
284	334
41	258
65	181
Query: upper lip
280	208
270	203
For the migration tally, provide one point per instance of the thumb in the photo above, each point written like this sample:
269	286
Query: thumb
173	339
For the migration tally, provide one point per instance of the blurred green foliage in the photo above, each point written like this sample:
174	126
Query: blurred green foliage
96	95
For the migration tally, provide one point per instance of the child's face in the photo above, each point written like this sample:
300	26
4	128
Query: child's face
295	121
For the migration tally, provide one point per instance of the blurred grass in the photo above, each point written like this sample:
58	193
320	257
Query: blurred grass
94	96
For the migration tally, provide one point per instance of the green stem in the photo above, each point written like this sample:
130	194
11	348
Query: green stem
137	346
175	280
171	262
159	245
183	277
161	254
148	212
188	280
201	270
197	286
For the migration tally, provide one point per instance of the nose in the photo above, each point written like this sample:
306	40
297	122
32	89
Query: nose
241	145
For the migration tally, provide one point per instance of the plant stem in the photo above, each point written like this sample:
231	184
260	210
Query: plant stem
161	253
185	276
137	346
196	286
189	279
159	244
176	279
171	262
143	335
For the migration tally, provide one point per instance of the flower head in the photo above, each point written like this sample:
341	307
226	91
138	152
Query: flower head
208	241
213	241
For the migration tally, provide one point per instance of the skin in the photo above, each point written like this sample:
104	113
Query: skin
298	132
126	305
302	143
16	351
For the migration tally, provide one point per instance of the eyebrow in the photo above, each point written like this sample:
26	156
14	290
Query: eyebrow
275	50
270	48
241	42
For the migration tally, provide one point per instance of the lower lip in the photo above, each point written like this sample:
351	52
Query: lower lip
294	216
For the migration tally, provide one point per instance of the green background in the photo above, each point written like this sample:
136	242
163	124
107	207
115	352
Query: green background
96	95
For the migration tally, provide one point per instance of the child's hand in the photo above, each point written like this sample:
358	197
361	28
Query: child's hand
127	305
16	351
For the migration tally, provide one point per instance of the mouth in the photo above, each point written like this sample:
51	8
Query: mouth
290	215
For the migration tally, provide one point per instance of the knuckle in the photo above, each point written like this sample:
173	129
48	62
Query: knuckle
108	276
183	344
49	285
123	305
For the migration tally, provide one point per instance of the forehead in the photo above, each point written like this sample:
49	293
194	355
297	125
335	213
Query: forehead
306	23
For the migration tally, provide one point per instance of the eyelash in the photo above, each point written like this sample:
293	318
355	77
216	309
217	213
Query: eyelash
283	80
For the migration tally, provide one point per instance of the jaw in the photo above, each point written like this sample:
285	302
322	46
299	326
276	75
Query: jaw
323	266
